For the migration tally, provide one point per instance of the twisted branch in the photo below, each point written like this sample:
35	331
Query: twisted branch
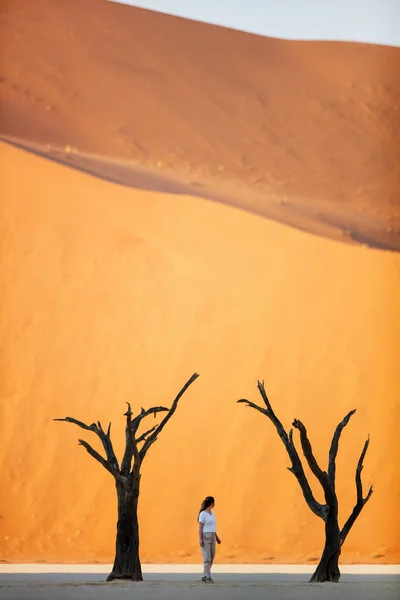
334	448
133	427
132	441
144	435
297	468
97	456
111	463
361	502
145	413
321	475
154	435
131	446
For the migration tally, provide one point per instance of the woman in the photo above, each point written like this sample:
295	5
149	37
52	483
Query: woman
207	536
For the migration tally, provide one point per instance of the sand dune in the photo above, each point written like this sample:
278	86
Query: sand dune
110	294
305	133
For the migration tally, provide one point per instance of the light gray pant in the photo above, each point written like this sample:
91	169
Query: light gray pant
208	552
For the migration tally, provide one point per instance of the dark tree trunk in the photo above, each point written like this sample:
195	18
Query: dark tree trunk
127	562
328	568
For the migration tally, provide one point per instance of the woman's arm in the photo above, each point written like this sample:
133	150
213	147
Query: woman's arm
218	539
201	542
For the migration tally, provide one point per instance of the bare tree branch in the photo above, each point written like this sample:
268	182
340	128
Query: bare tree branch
144	435
361	502
152	437
97	456
297	468
334	448
111	461
128	454
135	423
321	510
288	442
321	475
145	413
252	405
261	389
308	453
132	441
79	423
107	445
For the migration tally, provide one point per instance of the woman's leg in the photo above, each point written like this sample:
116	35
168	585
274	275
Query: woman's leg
213	546
206	552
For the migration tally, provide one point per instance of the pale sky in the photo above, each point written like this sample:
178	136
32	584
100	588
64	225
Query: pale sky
374	21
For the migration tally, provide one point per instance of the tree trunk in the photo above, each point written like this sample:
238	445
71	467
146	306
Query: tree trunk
127	562
328	568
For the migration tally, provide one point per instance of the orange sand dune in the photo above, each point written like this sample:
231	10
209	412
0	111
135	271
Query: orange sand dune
113	295
306	133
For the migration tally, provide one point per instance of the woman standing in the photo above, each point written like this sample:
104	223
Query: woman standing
208	536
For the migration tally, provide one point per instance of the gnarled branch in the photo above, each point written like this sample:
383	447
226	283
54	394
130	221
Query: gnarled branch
261	389
111	463
153	436
334	448
297	468
132	441
135	423
270	414
321	475
252	405
149	436
145	413
144	435
107	444
361	502
91	427
97	456
321	510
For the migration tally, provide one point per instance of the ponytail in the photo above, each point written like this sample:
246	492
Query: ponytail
206	503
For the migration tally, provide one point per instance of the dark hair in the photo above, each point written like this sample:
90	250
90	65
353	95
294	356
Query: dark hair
206	503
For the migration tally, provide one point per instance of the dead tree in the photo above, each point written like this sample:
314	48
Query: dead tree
328	567
127	479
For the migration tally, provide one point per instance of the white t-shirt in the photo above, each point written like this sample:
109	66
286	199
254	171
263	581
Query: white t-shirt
209	521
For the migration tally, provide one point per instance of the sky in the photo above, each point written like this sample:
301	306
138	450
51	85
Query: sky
373	21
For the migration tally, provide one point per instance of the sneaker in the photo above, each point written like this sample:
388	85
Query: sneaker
204	579
209	580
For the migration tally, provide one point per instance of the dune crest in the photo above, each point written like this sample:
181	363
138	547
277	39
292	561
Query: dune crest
305	133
